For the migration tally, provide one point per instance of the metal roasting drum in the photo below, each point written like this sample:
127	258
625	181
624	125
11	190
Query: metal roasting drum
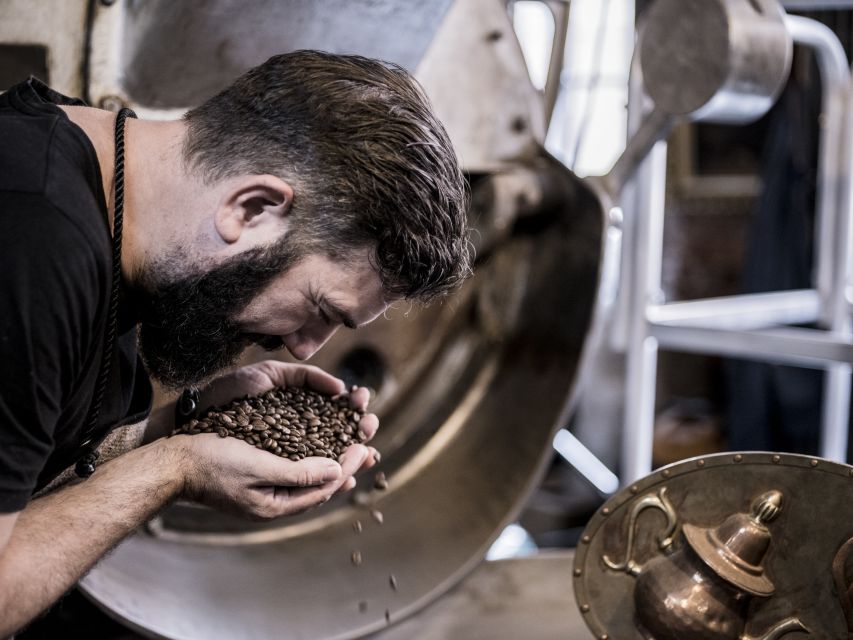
469	392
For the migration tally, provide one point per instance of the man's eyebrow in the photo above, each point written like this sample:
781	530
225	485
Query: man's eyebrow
334	311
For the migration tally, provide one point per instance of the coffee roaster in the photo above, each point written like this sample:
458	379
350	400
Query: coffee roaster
471	391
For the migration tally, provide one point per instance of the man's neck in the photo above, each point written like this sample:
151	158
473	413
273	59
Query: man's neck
156	186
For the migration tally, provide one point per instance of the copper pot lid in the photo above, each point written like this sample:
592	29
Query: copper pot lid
736	548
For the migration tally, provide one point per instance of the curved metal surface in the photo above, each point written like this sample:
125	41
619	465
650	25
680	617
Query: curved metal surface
813	526
503	600
228	37
162	57
468	410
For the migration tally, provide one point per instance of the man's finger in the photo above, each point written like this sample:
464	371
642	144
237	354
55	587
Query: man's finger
316	379
309	472
353	458
296	500
302	375
369	424
359	398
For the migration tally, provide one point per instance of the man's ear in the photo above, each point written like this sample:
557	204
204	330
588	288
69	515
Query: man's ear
254	208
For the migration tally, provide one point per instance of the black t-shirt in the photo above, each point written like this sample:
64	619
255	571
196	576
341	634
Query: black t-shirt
55	284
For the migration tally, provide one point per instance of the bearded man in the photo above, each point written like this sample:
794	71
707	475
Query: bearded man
313	192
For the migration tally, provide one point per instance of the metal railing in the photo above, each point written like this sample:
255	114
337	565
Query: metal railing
755	326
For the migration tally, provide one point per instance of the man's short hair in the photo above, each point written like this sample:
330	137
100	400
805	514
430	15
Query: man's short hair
370	164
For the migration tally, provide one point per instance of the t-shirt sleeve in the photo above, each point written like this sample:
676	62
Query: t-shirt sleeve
49	297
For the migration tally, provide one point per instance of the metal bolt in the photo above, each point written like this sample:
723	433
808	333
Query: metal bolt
776	459
518	124
738	458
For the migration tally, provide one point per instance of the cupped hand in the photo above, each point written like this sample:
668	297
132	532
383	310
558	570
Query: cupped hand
233	476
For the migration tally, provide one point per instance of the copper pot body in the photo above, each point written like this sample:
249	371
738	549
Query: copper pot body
679	597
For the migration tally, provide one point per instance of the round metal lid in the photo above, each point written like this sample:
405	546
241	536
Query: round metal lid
807	560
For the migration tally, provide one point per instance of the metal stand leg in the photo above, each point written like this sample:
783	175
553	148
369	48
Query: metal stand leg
638	432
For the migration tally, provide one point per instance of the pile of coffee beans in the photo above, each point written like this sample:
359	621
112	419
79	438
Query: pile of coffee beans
290	422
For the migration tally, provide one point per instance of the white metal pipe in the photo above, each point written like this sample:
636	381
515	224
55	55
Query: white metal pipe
741	312
835	418
585	462
835	78
785	345
645	281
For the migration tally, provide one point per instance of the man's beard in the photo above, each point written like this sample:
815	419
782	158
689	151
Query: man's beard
187	330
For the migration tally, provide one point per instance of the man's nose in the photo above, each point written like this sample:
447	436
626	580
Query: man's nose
303	346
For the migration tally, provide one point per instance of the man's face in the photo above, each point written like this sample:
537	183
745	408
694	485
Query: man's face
304	306
193	326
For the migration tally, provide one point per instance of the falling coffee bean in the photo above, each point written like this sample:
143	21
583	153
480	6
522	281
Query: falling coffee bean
356	558
392	581
377	515
360	498
379	481
356	526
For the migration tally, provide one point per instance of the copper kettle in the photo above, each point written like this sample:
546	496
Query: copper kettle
702	591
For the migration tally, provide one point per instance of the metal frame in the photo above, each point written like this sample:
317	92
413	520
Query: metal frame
753	326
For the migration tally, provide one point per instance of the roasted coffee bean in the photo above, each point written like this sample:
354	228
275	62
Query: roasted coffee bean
387	616
392	581
222	432
356	558
379	481
356	526
377	515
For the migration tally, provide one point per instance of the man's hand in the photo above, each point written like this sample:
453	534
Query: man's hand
233	476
